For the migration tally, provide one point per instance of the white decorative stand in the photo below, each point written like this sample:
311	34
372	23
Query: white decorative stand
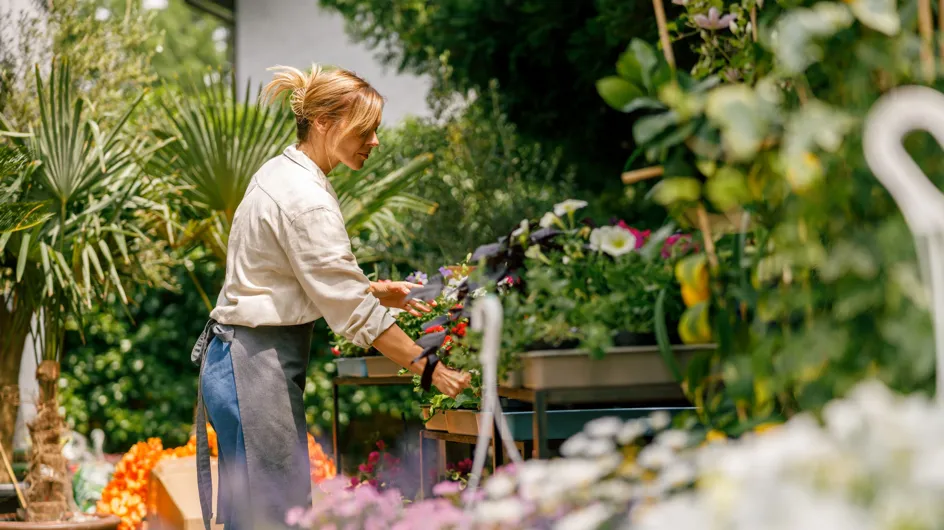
898	113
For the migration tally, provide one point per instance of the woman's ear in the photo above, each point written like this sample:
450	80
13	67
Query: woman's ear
322	125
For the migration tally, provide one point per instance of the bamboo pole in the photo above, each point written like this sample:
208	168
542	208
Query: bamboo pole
664	33
9	468
940	26
926	28
646	173
754	22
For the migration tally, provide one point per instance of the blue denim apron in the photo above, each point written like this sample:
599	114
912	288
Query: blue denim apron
252	383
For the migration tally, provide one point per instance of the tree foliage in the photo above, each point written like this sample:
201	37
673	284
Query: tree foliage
545	55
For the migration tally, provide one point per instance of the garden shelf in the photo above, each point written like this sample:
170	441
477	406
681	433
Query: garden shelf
622	366
435	423
562	424
366	367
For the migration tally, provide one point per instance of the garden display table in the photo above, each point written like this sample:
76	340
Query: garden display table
644	398
357	381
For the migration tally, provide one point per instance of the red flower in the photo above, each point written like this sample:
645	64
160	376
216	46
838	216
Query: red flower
459	330
335	352
457	307
373	482
435	329
367	469
381	445
373	457
355	481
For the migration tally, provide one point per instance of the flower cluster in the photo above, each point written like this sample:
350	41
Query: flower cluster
125	495
336	506
874	462
379	469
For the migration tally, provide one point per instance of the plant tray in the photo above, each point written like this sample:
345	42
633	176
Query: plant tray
623	366
562	424
462	422
437	422
366	367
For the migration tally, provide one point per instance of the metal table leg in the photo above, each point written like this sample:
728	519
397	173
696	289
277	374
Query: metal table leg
498	457
335	429
540	425
422	494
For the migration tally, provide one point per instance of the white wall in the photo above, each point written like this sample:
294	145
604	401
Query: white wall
298	33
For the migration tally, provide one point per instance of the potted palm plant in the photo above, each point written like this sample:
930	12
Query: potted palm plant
71	232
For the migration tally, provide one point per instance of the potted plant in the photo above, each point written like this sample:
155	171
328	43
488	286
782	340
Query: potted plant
71	220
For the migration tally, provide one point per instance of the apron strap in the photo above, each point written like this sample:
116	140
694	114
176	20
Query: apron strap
204	470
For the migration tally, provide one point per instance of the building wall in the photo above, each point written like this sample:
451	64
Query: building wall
298	33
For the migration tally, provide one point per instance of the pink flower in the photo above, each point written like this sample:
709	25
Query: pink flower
641	235
381	445
366	468
294	516
355	481
678	244
373	482
373	457
446	487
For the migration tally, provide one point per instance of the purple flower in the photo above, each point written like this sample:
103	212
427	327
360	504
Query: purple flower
417	277
445	272
714	20
446	487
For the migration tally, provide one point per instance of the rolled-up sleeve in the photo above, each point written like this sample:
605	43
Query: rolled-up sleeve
319	250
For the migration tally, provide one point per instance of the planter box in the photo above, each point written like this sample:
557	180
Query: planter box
366	367
561	424
623	366
437	422
462	422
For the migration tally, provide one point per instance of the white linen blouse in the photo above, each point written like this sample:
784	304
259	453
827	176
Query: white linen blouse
289	258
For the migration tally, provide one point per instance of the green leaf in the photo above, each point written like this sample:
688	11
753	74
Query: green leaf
676	190
22	215
618	92
628	67
880	15
21	258
647	129
93	258
647	59
738	112
662	338
643	103
727	189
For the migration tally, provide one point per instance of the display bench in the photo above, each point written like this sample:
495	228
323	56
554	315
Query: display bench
337	382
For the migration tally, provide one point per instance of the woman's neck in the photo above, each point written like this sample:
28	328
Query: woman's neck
318	155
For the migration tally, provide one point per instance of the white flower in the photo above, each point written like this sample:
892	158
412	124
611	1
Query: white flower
548	220
659	420
613	240
568	207
607	426
522	229
576	445
655	456
674	439
506	510
499	486
102	14
588	518
154	4
631	430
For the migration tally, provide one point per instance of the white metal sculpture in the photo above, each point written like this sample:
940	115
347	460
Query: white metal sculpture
487	317
896	114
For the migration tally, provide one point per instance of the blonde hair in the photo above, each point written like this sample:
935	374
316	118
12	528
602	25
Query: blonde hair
336	94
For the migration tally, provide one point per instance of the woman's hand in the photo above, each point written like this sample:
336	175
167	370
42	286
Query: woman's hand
449	381
393	295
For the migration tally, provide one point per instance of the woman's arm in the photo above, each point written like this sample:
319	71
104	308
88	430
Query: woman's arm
399	348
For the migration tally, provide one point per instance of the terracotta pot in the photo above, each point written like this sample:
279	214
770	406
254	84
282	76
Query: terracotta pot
437	422
101	522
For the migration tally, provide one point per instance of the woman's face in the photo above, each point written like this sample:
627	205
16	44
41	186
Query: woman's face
354	149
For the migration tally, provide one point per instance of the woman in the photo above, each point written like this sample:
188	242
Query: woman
289	263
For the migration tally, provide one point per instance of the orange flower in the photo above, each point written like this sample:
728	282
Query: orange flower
322	467
125	494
